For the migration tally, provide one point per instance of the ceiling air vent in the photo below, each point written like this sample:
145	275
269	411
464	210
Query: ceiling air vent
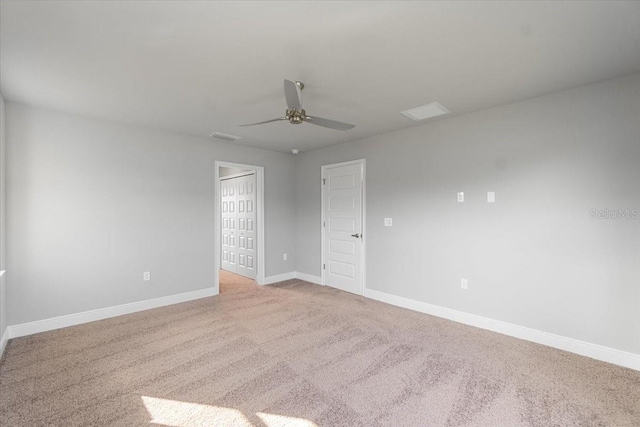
426	111
225	136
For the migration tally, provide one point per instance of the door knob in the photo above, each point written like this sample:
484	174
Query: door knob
355	235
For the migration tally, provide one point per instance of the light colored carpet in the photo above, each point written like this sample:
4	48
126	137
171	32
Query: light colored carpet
297	354
230	282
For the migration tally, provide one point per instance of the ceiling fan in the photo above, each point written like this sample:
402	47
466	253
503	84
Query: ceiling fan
295	113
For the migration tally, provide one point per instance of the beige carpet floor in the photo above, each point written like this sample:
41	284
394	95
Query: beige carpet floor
230	282
297	354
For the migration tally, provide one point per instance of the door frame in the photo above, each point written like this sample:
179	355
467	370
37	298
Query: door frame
259	172
363	252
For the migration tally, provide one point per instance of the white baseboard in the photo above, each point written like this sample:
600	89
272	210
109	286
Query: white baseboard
3	341
595	351
309	278
279	278
24	329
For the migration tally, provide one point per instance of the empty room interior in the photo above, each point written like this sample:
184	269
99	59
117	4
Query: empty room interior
306	214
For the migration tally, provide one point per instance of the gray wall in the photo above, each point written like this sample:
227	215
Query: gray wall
535	258
3	229
93	204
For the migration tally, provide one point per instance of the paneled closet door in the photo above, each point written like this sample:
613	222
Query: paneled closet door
246	219
229	223
239	225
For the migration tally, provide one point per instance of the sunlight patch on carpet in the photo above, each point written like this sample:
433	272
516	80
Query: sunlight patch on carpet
174	413
272	420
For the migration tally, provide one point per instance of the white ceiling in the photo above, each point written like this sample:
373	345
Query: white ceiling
199	67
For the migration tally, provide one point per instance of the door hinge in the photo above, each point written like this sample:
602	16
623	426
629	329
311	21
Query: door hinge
324	224
324	181
324	266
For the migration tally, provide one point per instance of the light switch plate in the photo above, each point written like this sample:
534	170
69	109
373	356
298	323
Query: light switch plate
388	222
491	197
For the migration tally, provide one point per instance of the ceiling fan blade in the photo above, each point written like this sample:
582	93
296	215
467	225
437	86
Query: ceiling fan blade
331	124
266	121
293	94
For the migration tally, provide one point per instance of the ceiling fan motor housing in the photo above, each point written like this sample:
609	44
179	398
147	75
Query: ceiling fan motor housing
296	116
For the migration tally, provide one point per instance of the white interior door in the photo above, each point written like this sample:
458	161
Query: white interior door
246	220
228	214
343	226
238	197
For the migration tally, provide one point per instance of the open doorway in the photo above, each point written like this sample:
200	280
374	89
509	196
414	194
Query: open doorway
239	262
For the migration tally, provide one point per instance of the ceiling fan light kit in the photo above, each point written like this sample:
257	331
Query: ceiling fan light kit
296	115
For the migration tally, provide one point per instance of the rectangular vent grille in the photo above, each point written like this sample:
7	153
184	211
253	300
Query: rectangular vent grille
225	136
426	111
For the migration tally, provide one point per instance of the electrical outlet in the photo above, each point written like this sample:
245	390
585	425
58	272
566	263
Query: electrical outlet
463	283
388	222
146	276
284	257
460	197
